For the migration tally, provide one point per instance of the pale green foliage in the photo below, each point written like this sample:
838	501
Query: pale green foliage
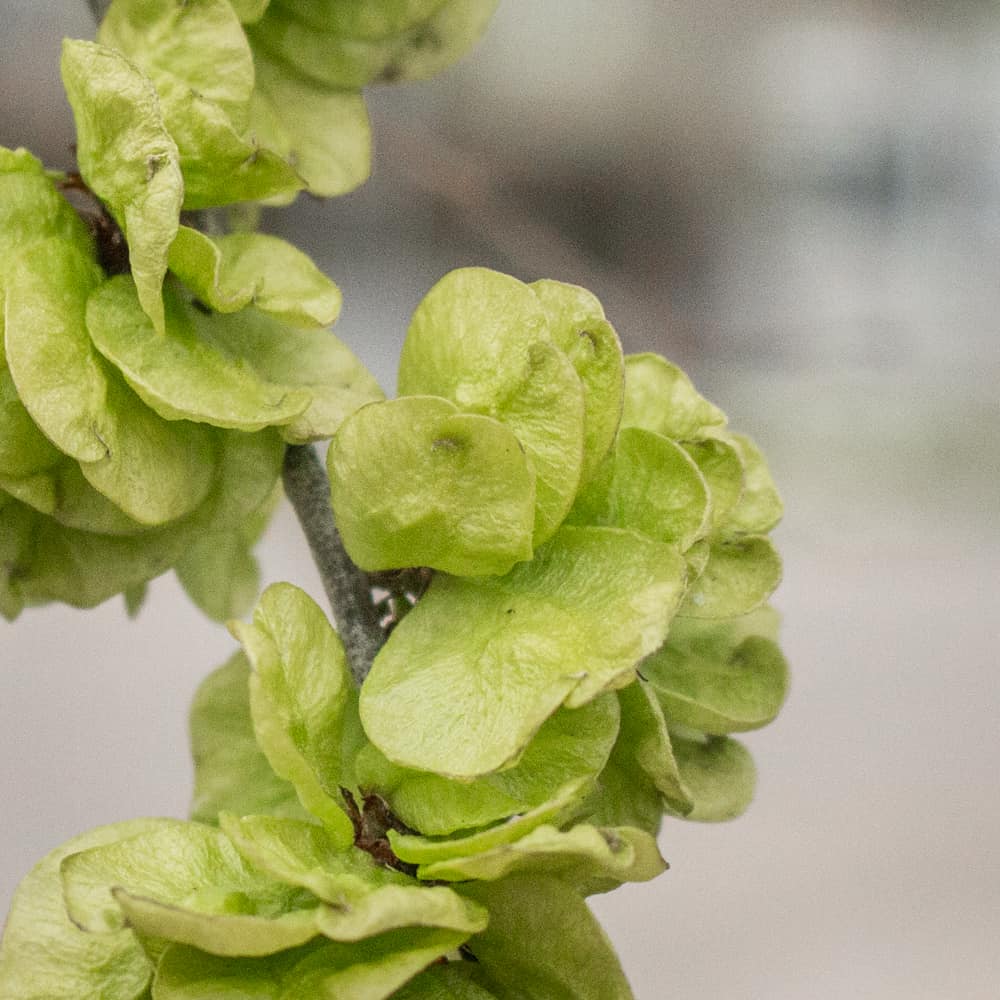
441	40
684	774
219	573
659	397
324	132
199	61
244	371
724	472
642	773
50	562
155	470
417	482
24	449
44	956
258	888
185	882
267	112
533	374
367	970
453	981
305	854
231	771
649	484
249	11
365	899
497	348
577	324
64	494
733	567
718	774
54	366
229	272
672	481
15	540
596	623
364	19
740	575
218	569
481	339
542	943
588	858
119	488
349	45
300	699
81	549
760	507
719	678
420	850
128	158
570	624
31	209
572	745
533	751
194	46
75	546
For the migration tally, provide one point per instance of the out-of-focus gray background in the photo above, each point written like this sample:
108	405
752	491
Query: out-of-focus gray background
800	202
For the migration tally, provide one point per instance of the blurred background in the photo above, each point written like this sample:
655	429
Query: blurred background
798	202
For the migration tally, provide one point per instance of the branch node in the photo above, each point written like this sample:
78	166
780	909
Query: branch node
347	588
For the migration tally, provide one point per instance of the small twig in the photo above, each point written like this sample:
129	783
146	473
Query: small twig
470	186
347	588
98	8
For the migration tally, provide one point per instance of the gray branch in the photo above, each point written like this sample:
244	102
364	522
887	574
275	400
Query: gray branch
347	588
98	8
